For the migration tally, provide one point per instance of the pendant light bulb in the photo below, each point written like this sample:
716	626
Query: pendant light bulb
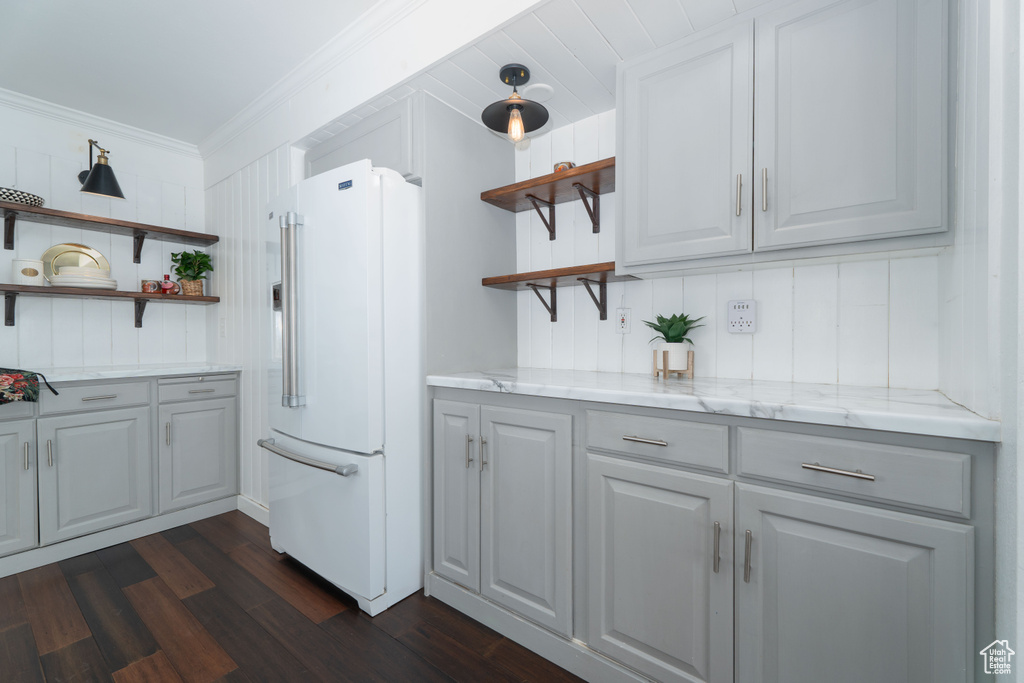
515	125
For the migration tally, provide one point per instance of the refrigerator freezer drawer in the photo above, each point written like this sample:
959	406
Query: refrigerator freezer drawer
332	523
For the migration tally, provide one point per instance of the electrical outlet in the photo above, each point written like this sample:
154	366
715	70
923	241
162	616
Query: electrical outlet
223	327
622	316
743	316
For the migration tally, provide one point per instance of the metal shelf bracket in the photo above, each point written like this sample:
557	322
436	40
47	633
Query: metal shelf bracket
9	218
140	310
553	307
600	301
593	207
9	300
140	237
549	220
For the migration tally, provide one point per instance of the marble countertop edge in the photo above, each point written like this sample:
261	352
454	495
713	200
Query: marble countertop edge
78	374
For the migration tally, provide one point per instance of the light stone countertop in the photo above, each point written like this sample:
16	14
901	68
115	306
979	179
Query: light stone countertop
131	371
909	411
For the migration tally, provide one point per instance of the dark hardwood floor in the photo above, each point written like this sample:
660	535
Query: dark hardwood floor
211	601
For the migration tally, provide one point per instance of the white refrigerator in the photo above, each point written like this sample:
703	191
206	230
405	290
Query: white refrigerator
345	377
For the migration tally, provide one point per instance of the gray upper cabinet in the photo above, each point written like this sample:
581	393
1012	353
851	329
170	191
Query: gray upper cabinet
685	129
17	486
457	492
848	593
198	452
95	472
659	600
850	121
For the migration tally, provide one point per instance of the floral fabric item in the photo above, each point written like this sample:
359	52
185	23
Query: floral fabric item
20	385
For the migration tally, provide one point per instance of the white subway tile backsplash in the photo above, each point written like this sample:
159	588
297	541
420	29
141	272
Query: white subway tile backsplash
913	323
773	341
864	320
735	351
699	297
815	324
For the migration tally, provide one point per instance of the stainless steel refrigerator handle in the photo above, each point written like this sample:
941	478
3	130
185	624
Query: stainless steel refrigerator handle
343	470
291	396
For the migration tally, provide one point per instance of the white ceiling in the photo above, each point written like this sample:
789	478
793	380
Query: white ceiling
178	68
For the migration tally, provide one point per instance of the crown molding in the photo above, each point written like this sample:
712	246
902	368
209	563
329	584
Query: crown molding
57	112
358	34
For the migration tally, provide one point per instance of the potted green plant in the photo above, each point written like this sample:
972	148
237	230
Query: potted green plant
191	268
674	335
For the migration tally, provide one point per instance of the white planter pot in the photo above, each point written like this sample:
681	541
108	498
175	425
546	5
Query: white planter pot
676	355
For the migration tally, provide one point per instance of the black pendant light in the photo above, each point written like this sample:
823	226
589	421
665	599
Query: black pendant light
515	117
99	179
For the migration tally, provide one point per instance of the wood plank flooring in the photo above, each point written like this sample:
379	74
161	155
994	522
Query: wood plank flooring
211	601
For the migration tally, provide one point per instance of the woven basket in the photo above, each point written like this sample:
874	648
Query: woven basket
192	287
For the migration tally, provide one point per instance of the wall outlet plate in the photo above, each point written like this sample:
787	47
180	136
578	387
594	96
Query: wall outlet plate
743	316
622	320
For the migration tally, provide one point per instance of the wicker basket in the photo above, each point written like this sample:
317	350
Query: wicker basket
192	287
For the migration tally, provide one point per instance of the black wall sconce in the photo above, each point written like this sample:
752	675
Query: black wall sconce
99	179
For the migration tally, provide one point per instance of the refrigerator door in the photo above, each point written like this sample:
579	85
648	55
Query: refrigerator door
338	266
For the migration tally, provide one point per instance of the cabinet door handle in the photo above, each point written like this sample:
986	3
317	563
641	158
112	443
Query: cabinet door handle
832	470
640	439
49	453
99	398
715	554
739	193
26	455
483	453
168	434
201	391
764	189
746	557
469	440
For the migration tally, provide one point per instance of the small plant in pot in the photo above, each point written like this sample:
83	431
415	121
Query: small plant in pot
191	268
674	335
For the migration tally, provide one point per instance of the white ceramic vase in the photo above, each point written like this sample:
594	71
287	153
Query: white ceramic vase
676	354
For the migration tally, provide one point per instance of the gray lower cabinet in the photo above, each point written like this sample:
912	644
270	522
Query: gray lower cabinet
17	486
660	570
846	593
503	507
95	472
197	452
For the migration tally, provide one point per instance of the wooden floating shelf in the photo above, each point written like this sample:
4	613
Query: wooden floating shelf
139	231
12	292
599	274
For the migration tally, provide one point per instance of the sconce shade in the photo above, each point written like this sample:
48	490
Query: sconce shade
99	179
501	116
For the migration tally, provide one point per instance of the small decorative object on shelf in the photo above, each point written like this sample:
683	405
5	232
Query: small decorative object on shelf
673	354
9	194
26	271
150	287
191	268
564	166
168	287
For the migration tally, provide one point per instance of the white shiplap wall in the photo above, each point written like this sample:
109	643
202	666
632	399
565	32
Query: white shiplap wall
872	323
43	154
239	331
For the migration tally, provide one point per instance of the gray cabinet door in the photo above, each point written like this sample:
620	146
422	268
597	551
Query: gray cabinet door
526	513
685	128
101	472
457	492
656	602
848	594
17	486
198	452
850	121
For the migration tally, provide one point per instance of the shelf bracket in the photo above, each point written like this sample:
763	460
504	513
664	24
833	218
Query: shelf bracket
9	299
140	237
549	221
593	207
600	301
553	308
9	218
140	310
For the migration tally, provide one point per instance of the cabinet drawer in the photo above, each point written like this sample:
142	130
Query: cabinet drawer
677	441
18	409
198	389
935	480
75	399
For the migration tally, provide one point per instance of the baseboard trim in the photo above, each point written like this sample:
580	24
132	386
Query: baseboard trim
254	510
37	557
571	655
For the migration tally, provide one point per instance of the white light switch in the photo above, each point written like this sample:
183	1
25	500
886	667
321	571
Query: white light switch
743	316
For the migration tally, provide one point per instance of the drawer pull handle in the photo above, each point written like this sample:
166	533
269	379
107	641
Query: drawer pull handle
831	470
26	455
469	440
640	439
49	453
715	553
99	398
739	193
746	557
201	391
